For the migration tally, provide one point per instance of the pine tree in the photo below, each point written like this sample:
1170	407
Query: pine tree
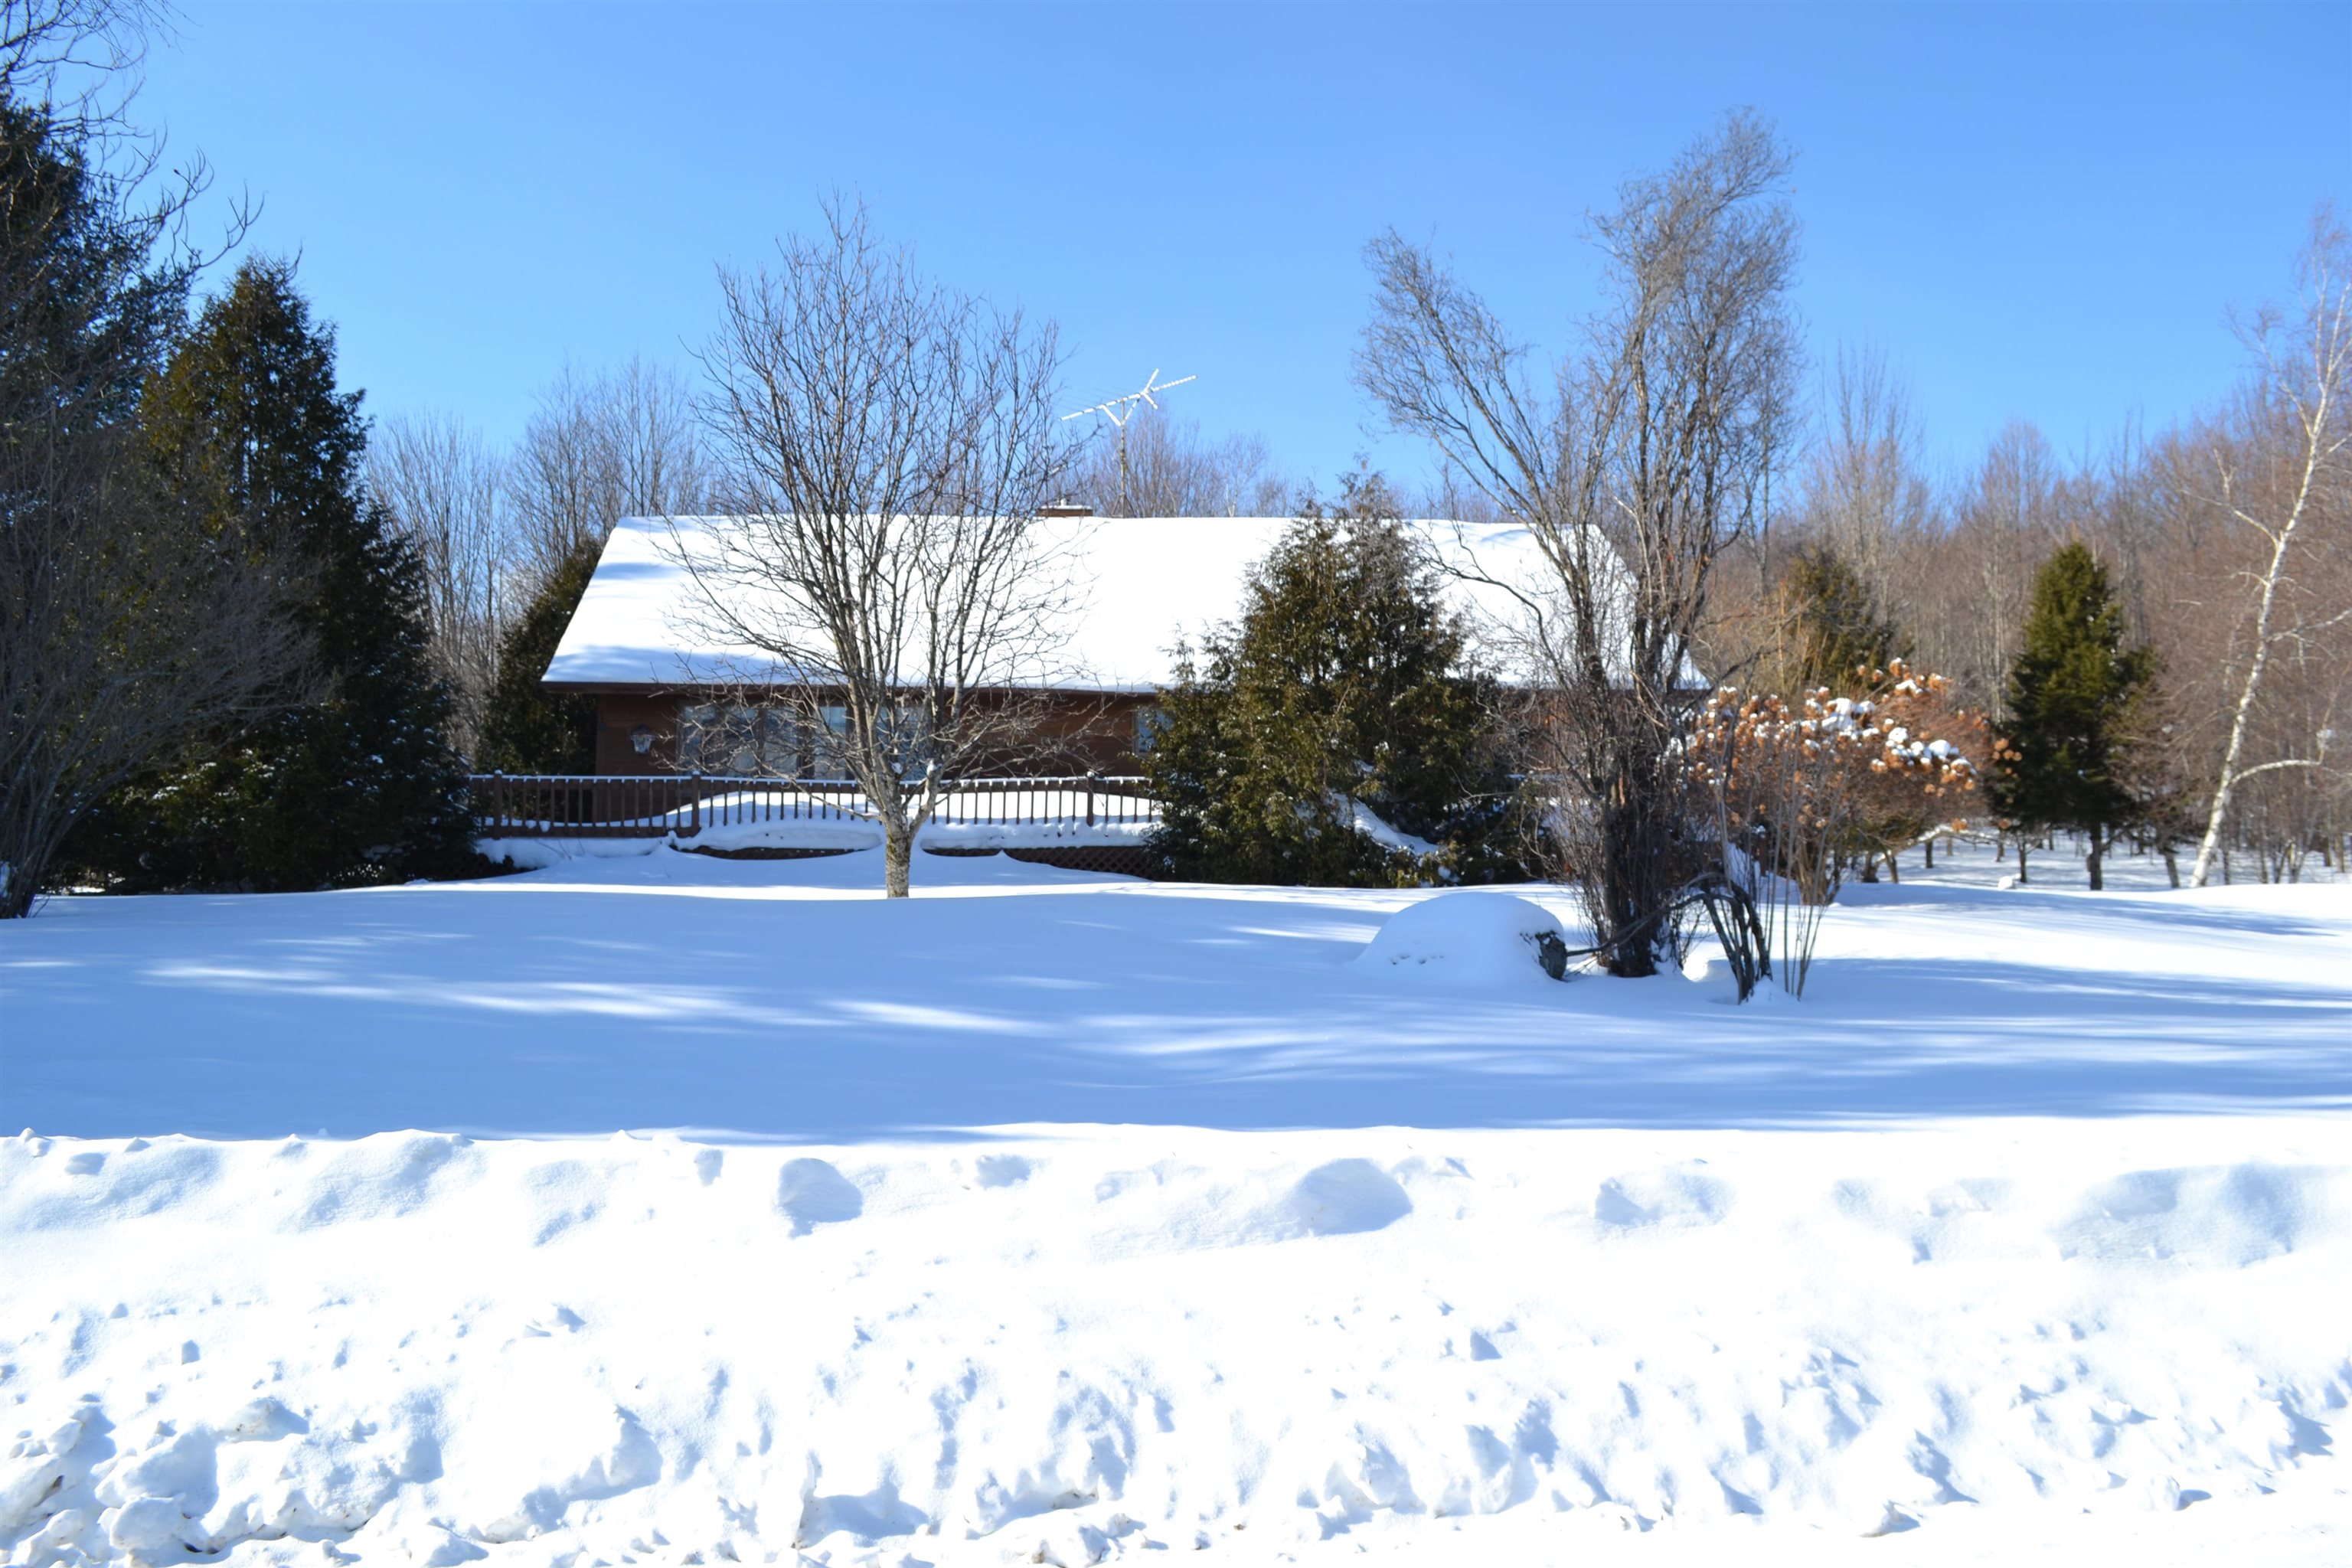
2073	696
1836	633
1345	684
525	727
356	783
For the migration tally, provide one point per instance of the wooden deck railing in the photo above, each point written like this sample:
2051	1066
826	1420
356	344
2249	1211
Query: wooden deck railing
559	805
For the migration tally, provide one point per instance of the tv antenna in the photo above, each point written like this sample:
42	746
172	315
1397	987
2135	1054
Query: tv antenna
1119	410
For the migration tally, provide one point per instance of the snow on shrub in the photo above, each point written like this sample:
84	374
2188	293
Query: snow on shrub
1468	939
1801	791
1810	787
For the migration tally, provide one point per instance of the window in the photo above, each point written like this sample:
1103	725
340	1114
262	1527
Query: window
737	741
829	763
1148	722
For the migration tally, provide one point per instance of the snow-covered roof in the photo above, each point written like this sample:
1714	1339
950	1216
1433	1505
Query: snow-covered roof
1144	583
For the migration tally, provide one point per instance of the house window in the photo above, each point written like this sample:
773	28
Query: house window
907	733
1148	722
763	740
831	761
737	741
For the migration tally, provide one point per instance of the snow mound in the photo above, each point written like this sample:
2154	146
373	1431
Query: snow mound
1471	939
1121	1344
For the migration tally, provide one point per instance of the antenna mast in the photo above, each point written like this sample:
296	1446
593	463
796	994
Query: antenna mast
1119	410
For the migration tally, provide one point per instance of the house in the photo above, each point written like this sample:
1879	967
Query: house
669	700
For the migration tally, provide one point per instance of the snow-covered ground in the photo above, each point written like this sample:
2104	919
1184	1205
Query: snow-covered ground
1059	1218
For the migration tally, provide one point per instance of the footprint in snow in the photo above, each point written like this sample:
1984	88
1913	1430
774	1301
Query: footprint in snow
812	1192
1346	1197
1001	1170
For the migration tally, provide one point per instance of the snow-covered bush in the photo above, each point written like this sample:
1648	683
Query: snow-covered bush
1473	940
1800	791
1814	787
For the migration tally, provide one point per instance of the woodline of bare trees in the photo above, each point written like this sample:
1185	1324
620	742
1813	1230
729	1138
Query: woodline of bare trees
2229	539
440	481
1635	464
492	528
1170	471
622	443
887	443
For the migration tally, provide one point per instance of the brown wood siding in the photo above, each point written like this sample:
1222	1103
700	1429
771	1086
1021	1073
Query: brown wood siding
1083	732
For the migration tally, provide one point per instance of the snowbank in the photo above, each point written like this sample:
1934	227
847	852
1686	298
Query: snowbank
1089	1343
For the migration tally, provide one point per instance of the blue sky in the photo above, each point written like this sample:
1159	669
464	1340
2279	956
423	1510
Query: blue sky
2037	211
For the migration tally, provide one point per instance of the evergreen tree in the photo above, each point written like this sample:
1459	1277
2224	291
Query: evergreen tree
354	783
1343	686
525	727
2073	696
1836	633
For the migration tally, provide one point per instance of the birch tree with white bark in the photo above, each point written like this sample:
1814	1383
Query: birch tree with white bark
2288	487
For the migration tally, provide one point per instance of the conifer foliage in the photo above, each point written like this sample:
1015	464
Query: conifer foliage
2075	697
525	727
1342	700
1835	633
354	783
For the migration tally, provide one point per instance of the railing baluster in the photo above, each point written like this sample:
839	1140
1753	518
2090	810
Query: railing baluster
592	805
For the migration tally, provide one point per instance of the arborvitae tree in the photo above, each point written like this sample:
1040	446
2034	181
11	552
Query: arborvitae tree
1832	625
2073	697
356	783
1345	685
525	727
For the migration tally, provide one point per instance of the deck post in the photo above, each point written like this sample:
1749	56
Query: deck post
1090	797
695	820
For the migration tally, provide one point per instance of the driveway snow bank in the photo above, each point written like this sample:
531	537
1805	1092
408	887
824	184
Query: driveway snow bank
1077	1344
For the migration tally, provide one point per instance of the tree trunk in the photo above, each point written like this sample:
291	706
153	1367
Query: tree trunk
2172	866
1930	847
2020	859
2092	862
2228	781
897	854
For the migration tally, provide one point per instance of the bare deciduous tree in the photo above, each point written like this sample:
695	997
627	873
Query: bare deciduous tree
887	444
1634	468
81	62
128	631
2287	483
442	486
1861	489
